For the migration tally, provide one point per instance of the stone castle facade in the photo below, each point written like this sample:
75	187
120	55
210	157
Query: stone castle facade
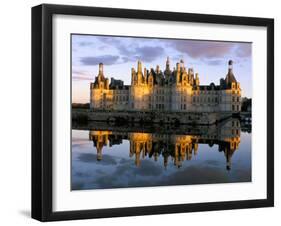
176	90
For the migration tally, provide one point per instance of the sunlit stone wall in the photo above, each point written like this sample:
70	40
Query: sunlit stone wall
177	91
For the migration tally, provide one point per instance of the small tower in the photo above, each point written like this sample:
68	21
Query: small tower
181	65
139	66
157	69
178	72
197	82
133	78
230	78
100	68
168	64
145	75
106	83
178	67
230	66
139	73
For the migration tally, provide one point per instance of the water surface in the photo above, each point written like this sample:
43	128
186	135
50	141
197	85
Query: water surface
106	156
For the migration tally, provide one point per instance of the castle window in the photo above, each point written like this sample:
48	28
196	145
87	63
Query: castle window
184	106
237	99
237	107
233	107
233	99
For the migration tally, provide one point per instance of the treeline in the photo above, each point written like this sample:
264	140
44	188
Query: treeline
246	105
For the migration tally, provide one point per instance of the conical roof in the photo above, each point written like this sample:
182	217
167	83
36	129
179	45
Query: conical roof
230	78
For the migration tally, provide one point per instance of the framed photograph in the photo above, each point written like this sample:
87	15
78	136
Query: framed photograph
145	112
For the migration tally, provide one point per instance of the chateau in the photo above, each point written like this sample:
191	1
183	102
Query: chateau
176	90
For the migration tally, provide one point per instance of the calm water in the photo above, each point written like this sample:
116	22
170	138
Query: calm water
131	156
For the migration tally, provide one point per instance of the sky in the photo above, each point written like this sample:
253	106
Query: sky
120	54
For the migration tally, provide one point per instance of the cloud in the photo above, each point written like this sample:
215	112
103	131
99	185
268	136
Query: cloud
244	50
202	49
81	75
133	49
79	78
213	62
92	158
144	53
105	59
149	53
85	43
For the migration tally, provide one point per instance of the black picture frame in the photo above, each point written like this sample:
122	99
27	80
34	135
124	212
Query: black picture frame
42	111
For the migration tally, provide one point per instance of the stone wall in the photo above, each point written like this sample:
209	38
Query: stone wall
203	118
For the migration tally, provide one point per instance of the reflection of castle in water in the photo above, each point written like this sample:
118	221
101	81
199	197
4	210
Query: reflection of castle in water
172	147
